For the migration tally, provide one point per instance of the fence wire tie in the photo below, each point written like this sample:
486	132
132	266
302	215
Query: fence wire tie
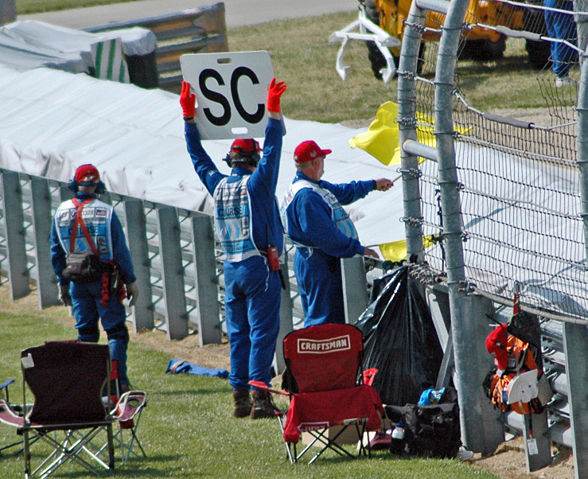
407	121
466	286
412	221
417	27
414	172
406	74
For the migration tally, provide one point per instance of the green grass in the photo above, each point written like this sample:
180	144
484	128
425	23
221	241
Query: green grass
187	429
302	56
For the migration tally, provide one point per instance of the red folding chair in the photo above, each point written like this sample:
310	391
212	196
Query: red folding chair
326	389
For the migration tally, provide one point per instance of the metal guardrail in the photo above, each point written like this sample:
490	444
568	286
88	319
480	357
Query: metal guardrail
189	31
177	261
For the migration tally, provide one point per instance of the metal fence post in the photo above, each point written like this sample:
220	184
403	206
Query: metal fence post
464	331
576	336
411	193
286	321
539	432
355	295
42	218
172	272
206	281
18	276
137	240
576	351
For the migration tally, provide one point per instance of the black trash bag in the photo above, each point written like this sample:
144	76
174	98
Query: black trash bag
400	340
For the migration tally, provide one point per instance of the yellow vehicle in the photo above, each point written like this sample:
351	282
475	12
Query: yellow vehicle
482	43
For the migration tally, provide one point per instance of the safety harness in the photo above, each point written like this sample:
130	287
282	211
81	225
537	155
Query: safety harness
111	278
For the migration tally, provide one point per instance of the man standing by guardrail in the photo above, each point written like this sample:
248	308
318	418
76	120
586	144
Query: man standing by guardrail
92	262
248	227
315	221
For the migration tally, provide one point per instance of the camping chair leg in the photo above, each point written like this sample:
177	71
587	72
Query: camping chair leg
288	451
110	448
330	443
32	440
67	450
27	454
17	443
129	448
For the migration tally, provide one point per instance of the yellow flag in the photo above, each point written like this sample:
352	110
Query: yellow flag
396	250
382	138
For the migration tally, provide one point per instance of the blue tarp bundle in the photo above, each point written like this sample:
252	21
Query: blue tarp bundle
177	366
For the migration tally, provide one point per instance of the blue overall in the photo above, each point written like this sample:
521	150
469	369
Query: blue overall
108	237
563	26
247	221
311	224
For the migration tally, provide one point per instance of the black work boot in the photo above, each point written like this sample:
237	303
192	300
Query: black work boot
262	405
242	403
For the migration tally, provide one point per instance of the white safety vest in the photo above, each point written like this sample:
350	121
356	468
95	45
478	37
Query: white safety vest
97	217
232	218
338	213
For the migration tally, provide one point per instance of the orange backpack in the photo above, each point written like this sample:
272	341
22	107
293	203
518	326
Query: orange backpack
520	359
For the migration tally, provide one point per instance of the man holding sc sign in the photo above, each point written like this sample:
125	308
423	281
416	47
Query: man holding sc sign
246	216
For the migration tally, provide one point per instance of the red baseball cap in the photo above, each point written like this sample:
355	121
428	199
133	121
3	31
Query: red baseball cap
307	151
245	145
496	344
87	175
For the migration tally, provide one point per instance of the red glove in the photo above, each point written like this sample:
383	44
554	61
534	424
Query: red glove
274	94
187	100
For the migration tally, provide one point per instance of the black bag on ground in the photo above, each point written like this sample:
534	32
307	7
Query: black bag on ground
85	267
429	431
400	339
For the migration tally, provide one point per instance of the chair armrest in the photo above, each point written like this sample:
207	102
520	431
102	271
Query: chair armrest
265	387
129	405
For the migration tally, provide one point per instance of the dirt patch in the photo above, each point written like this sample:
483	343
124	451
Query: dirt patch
507	462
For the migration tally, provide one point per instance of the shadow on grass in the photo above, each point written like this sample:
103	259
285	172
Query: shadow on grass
195	391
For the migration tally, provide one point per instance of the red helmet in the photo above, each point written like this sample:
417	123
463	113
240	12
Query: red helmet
246	151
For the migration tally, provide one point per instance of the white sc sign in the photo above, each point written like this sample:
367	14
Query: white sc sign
231	91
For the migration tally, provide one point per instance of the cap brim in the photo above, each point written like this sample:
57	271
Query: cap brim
326	152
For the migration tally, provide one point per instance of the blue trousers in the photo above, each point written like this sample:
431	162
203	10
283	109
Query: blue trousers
87	310
320	286
561	26
252	302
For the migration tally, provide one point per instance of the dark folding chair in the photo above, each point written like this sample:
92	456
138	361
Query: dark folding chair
67	379
325	387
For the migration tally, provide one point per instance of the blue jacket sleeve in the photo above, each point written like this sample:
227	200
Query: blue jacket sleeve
312	219
266	174
347	193
267	228
203	165
120	251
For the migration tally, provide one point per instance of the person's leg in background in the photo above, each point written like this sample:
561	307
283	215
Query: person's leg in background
238	332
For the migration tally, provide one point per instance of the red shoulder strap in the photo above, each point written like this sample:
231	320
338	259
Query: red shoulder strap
79	221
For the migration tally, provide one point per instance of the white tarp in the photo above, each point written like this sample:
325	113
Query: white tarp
30	44
52	121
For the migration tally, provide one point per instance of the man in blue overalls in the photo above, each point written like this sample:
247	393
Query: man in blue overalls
318	225
95	228
248	226
561	26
